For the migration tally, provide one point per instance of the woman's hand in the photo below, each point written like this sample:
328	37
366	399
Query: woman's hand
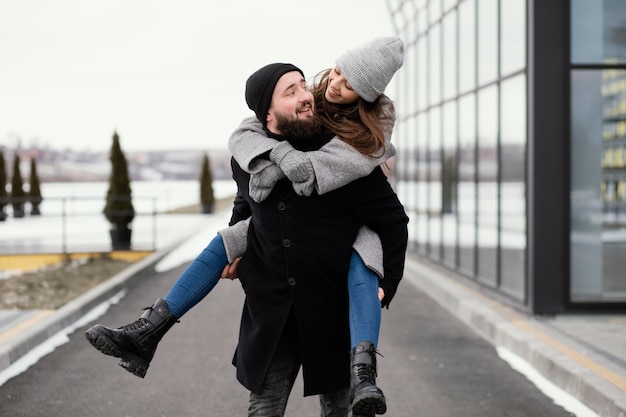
230	271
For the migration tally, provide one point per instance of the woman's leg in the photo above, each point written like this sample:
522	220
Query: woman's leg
365	316
365	310
197	281
136	343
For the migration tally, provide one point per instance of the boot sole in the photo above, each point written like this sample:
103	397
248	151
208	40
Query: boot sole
369	402
129	361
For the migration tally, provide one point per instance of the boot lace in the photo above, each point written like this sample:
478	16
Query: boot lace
136	326
365	373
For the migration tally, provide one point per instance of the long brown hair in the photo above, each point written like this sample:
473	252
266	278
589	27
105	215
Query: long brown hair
361	124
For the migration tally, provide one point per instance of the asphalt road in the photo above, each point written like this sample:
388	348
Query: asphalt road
433	366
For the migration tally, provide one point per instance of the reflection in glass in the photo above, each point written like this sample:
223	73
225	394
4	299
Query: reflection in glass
449	185
598	31
487	184
598	194
467	187
421	167
434	182
513	186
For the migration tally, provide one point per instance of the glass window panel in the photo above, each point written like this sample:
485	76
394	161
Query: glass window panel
434	183
513	139
487	41
466	187
434	11
449	184
422	73
409	80
598	178
467	45
434	60
449	55
487	184
448	4
422	20
597	31
422	182
513	32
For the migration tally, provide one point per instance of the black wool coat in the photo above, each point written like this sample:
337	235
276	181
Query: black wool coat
296	266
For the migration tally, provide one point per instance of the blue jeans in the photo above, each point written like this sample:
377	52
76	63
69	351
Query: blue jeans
365	309
197	281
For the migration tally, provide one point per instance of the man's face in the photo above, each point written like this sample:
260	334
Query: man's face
291	101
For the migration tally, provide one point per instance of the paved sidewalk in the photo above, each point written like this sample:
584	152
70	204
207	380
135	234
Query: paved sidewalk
585	355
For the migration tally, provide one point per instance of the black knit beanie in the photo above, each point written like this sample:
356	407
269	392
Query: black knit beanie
260	87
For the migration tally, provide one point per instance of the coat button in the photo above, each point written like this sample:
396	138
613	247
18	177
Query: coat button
282	206
286	243
291	281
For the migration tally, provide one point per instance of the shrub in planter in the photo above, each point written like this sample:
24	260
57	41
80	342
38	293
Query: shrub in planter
206	186
18	195
34	192
119	210
4	197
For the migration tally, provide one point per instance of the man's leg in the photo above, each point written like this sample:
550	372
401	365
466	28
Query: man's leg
281	375
335	404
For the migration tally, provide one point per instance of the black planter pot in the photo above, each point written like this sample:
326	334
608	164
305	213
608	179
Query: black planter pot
120	238
207	208
18	211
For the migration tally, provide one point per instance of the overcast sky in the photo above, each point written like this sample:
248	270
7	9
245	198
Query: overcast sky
163	74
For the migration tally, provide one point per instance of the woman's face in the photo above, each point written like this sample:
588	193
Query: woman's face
338	89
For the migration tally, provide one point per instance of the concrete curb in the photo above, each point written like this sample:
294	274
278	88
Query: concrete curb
70	313
551	353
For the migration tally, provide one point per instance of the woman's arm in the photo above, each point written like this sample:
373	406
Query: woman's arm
250	146
332	166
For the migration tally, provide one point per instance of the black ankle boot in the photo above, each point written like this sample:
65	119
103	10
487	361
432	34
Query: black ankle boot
366	398
134	343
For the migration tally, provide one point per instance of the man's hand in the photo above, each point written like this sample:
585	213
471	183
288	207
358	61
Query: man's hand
262	183
230	271
381	294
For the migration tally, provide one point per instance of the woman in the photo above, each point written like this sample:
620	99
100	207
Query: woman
353	106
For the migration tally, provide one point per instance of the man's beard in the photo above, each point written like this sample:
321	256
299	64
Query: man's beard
307	128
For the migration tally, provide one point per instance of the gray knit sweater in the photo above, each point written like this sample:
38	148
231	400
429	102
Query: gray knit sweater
335	164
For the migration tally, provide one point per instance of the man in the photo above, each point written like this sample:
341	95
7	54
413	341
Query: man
298	250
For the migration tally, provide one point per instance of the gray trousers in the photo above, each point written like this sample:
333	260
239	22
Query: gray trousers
282	373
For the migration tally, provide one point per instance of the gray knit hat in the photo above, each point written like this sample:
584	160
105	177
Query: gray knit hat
369	67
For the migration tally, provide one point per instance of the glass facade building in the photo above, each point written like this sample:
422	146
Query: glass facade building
511	143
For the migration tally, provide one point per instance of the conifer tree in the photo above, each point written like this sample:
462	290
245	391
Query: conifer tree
34	192
3	187
206	186
18	195
119	209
